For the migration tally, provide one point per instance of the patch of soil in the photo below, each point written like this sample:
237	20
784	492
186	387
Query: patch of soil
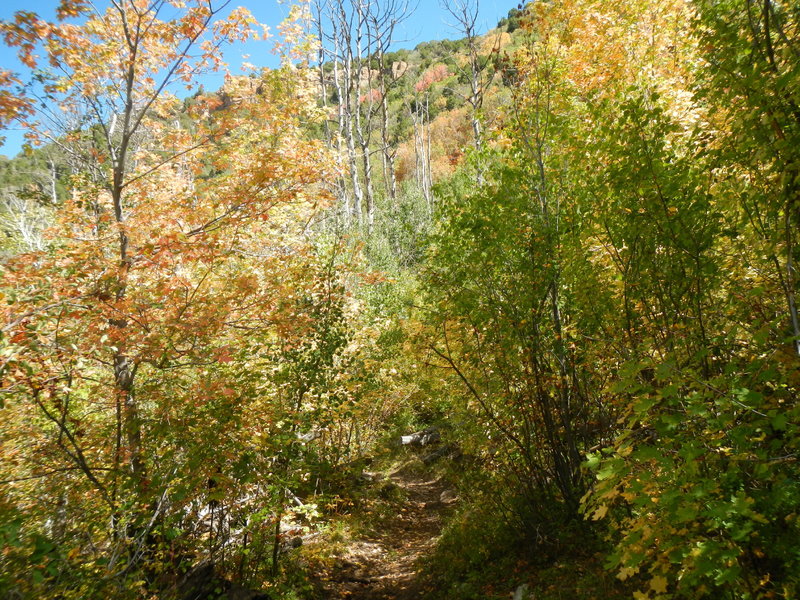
384	563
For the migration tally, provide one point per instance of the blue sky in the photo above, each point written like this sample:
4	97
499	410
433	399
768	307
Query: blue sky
429	22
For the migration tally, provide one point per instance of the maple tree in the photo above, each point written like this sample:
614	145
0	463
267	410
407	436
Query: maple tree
116	331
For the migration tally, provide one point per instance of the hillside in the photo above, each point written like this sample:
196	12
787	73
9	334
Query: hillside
428	128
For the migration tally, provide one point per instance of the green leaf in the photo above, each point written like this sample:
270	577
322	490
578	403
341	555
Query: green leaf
779	422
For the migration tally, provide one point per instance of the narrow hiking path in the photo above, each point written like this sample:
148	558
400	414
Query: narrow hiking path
384	562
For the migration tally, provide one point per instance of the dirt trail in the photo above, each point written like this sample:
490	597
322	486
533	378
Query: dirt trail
383	565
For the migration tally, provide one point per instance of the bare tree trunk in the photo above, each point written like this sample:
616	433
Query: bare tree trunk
465	13
362	31
332	138
389	178
53	180
419	163
385	170
428	162
422	150
370	196
344	133
347	103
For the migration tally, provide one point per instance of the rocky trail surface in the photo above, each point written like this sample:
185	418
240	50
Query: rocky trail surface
385	562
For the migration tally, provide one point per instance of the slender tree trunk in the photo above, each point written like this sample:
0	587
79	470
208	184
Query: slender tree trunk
362	125
370	196
341	90
791	278
53	180
428	162
346	102
389	178
124	371
417	150
276	544
385	173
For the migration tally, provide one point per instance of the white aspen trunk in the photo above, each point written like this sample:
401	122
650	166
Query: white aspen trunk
476	99
428	161
385	170
417	153
53	179
389	180
361	127
341	91
370	197
422	155
347	104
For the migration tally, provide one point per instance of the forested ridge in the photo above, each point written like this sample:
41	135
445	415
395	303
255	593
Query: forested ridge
513	315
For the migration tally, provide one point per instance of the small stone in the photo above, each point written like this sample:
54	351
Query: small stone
448	497
522	592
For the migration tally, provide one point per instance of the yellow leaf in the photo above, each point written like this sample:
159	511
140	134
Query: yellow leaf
600	513
625	451
658	584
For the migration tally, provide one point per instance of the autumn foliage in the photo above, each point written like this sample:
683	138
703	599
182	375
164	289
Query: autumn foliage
576	255
118	336
433	75
618	304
